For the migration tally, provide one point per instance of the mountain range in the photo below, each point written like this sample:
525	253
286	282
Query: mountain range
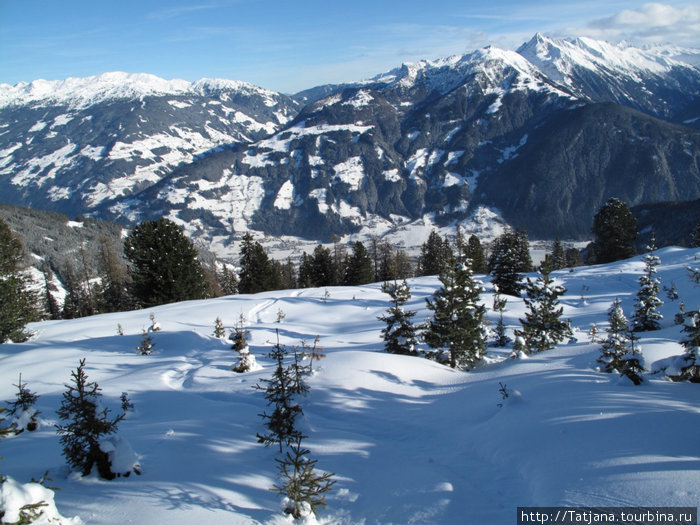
537	138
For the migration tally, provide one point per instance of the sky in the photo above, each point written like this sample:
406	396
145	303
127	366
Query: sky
289	46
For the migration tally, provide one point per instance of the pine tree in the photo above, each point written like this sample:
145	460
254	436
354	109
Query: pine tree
475	253
246	360
258	273
509	259
499	305
646	311
632	363
302	486
543	327
164	267
695	238
399	334
17	300
228	282
435	255
279	394
457	321
115	296
617	343
145	346
358	269
691	369
615	229
219	330
85	424
22	408
558	257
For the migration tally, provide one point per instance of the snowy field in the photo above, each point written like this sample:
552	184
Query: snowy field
409	440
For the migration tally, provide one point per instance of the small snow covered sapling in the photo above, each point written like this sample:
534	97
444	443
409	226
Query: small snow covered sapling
303	487
22	408
691	368
246	360
280	315
146	345
155	325
85	426
219	330
632	363
505	393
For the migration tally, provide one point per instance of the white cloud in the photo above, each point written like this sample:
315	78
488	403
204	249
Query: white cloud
649	24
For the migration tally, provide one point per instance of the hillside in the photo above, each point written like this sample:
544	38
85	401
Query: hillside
409	441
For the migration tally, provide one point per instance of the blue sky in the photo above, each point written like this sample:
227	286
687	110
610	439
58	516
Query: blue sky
292	45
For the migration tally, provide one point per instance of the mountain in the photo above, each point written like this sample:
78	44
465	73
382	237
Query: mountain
73	145
407	439
538	138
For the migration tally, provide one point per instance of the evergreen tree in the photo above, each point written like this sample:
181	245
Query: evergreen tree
228	281
305	279
695	237
323	271
17	300
358	269
558	257
164	266
691	342
302	486
499	304
399	334
288	275
114	275
543	328
85	424
572	257
435	255
258	273
617	343
509	259
647	304
50	303
615	230
475	253
457	321
219	330
632	363
246	360
279	394
22	408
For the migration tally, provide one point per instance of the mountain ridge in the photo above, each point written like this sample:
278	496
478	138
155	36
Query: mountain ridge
435	140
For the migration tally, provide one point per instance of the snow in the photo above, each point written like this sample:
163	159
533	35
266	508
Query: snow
351	172
79	93
361	99
409	440
286	197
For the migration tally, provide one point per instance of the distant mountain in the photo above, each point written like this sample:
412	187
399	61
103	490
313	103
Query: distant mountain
538	137
74	145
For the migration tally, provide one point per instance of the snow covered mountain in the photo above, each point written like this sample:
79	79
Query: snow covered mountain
72	145
538	137
408	440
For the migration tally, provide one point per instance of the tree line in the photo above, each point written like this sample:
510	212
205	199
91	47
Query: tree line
158	264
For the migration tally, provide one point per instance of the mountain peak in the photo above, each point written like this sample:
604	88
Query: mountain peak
85	91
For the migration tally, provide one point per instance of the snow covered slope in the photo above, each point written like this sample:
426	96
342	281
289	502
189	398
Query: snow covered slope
409	441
